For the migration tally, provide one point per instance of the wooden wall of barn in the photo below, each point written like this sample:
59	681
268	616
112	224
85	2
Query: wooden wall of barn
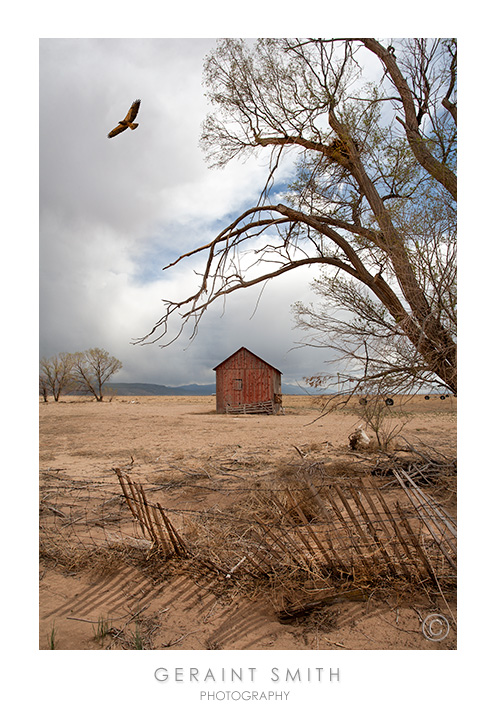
244	378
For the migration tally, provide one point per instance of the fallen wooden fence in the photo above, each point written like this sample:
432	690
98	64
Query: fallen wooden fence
152	519
260	407
358	533
349	530
439	524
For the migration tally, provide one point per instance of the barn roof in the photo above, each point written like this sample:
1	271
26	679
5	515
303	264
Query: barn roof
250	352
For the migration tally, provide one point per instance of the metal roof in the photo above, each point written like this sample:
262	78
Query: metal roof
243	348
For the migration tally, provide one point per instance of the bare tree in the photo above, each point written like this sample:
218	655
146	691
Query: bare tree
43	389
370	351
92	369
374	127
56	375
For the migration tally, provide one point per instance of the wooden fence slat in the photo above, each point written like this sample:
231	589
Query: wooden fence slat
371	548
426	522
165	543
152	518
438	509
389	563
349	532
319	496
313	535
391	539
260	407
139	508
279	543
124	491
415	542
426	511
146	507
178	543
398	533
288	515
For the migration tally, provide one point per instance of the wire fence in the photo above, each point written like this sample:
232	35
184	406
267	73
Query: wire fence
299	524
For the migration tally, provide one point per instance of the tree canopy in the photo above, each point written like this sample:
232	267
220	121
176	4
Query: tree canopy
371	128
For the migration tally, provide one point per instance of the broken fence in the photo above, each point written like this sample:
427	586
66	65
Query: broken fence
351	530
260	407
152	519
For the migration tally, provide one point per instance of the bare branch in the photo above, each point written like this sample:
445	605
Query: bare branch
435	168
367	201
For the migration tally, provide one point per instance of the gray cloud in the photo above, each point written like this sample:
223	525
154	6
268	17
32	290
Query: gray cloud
114	212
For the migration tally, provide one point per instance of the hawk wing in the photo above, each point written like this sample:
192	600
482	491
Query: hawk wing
117	130
133	111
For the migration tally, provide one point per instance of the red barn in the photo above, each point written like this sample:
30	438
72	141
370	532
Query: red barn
246	383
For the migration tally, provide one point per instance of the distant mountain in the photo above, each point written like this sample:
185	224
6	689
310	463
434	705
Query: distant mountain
154	389
191	389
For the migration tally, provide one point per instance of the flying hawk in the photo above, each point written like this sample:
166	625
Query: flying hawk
128	120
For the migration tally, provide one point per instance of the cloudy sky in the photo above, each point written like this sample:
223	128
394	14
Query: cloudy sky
114	212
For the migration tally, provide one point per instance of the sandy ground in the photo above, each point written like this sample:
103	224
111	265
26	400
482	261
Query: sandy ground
205	457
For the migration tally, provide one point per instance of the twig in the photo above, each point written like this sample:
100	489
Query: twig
170	644
339	644
228	575
301	454
55	510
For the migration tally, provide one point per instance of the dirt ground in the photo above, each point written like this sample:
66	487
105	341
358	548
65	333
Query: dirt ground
100	588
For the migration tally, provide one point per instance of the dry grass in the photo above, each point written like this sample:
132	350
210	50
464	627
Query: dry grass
105	560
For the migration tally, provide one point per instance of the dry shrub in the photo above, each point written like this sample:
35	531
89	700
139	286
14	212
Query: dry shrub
385	422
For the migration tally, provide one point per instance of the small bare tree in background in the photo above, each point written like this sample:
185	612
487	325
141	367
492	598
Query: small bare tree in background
43	389
92	369
56	375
